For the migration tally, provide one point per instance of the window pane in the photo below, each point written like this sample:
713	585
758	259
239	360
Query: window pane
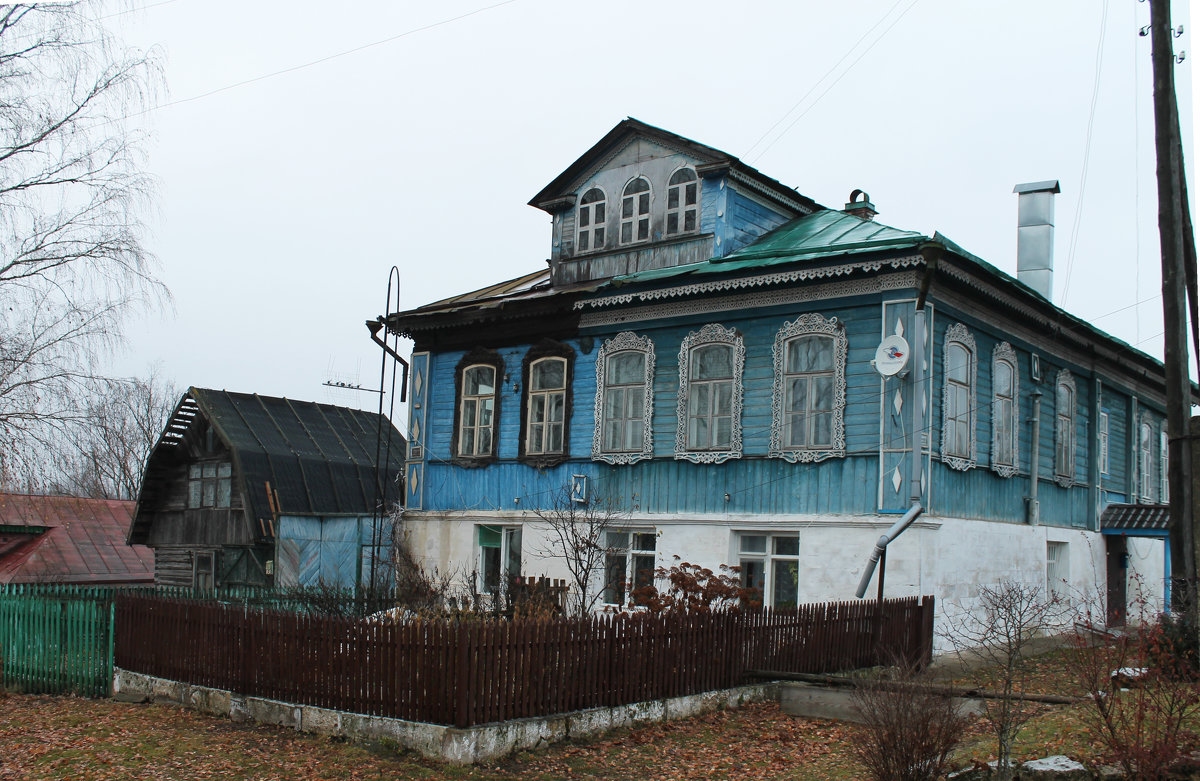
209	496
479	381
786	546
599	233
689	221
752	574
592	195
698	403
614	580
644	203
713	361
633	438
626	233
785	583
537	409
643	230
555	445
1003	379
627	368
485	411
637	186
223	492
673	198
612	437
723	428
822	392
672	223
636	402
614	402
643	571
645	541
617	539
698	433
809	354
822	430
210	470
683	175
485	442
797	430
753	543
224	470
626	208
194	471
585	218
548	375
466	444
797	395
691	195
958	363
724	392
598	210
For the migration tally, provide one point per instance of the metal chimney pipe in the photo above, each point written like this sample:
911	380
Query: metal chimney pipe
1035	235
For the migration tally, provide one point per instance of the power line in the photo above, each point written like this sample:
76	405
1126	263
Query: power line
1087	152
817	100
320	60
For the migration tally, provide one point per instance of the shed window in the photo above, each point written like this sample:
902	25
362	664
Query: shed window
477	411
209	484
1064	428
547	405
591	220
635	211
683	202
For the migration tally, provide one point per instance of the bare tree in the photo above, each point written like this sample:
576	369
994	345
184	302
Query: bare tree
104	455
997	640
72	263
578	530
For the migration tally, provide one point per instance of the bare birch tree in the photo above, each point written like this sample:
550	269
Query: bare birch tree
578	535
103	456
72	263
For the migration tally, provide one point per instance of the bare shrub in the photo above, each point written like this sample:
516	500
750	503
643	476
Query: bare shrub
694	589
1140	685
578	536
910	730
996	641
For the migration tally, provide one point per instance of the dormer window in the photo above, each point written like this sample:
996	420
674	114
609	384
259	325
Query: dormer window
635	211
591	220
683	199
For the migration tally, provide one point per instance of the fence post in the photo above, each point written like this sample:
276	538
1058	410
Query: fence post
462	674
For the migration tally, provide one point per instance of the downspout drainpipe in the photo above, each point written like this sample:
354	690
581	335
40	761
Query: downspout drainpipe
1032	510
919	433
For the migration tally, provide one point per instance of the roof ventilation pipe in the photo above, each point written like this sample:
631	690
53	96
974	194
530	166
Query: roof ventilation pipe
860	206
1035	235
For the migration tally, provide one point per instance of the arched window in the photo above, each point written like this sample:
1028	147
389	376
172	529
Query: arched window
1064	429
1004	410
710	395
958	398
477	407
810	390
624	399
683	202
590	221
635	212
547	406
1147	456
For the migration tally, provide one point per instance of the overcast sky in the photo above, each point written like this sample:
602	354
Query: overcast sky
285	200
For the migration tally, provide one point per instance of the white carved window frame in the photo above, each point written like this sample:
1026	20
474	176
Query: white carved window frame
626	341
805	325
1064	430
1164	459
713	333
682	208
1147	458
594	229
958	334
1102	443
1004	353
636	214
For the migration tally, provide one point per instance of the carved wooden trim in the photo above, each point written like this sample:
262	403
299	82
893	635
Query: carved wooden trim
1066	479
710	334
624	341
1004	352
959	333
810	324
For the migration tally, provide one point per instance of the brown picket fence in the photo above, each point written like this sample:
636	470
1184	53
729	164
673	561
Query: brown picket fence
466	672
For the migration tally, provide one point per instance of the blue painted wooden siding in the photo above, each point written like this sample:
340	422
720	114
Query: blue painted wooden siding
755	483
745	220
313	551
1116	481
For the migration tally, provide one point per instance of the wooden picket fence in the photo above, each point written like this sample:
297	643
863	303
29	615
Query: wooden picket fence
58	639
462	673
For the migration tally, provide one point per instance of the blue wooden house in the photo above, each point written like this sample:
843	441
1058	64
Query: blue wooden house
701	349
250	490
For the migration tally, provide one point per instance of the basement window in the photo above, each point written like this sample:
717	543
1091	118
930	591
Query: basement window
771	564
628	564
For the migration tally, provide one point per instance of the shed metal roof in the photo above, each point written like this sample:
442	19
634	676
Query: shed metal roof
65	539
1135	517
318	458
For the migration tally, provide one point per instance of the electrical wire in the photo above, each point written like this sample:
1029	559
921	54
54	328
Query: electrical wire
1087	153
817	100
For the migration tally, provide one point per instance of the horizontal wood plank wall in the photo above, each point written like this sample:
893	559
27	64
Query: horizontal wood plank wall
464	673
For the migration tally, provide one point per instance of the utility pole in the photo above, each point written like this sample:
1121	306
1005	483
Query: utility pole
1177	247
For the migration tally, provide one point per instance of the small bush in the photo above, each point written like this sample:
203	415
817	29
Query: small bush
695	589
911	731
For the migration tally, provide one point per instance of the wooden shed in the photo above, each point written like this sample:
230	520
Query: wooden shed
232	471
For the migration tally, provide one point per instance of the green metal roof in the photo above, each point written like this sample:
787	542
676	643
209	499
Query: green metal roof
815	236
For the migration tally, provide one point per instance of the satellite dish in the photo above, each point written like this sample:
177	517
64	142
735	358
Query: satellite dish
891	356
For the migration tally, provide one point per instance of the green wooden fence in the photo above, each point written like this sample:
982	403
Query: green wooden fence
56	639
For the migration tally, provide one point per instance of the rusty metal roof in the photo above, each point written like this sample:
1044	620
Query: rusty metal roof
1135	517
62	539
